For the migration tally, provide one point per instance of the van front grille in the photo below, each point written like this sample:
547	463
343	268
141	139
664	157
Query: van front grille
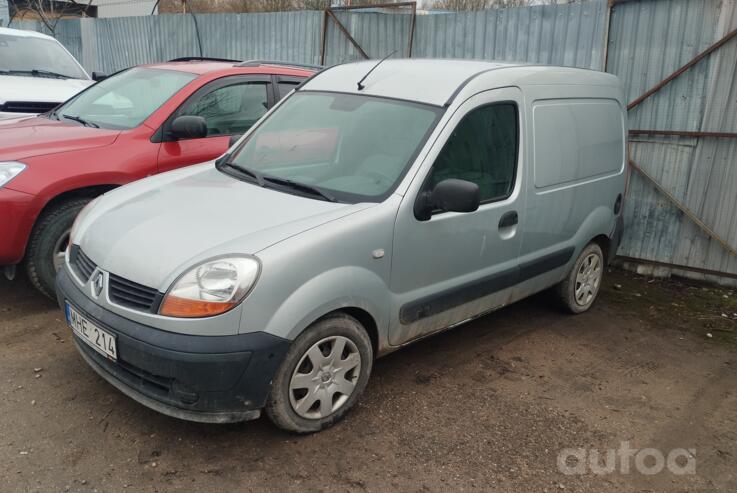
121	291
82	263
133	295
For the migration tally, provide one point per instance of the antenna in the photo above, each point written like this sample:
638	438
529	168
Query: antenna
360	82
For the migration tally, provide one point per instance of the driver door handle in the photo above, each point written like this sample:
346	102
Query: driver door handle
508	220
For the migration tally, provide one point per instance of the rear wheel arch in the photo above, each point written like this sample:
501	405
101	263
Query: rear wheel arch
604	243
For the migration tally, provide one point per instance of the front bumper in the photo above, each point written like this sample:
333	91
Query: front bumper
211	379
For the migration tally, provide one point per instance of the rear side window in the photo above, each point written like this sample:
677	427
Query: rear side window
482	149
576	139
285	86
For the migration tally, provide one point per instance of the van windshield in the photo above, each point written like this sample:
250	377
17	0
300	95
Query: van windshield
354	148
36	57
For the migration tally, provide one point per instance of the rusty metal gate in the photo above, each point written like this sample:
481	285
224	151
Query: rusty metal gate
678	60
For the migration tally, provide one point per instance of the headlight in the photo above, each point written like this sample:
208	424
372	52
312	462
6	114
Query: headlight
80	217
211	288
9	170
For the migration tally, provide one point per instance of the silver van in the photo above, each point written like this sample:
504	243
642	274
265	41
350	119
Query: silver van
373	206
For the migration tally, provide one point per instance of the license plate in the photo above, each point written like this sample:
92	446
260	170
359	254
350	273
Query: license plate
98	339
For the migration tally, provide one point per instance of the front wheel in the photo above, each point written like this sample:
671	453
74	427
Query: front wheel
579	290
322	376
48	243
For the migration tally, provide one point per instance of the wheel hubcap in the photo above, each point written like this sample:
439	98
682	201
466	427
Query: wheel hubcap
588	279
325	377
60	248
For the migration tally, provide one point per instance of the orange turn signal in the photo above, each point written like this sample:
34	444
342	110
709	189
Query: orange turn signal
185	308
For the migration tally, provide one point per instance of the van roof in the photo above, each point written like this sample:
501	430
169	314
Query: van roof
437	82
21	33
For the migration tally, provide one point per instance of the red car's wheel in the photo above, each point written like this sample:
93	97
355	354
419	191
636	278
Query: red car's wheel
48	242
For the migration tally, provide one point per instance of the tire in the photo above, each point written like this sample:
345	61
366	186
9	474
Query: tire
46	242
580	288
289	406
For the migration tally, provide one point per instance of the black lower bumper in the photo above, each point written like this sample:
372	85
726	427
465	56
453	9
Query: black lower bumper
216	379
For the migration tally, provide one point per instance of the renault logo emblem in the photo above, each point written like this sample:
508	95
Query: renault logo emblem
98	283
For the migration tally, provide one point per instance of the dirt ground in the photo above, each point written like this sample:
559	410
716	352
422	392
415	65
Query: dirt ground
486	406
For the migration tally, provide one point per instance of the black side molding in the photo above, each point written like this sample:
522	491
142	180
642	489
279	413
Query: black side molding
451	298
544	264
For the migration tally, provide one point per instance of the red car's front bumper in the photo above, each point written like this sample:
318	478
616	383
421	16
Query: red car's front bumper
17	213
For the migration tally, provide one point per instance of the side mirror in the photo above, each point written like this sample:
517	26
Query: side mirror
233	139
189	127
451	195
98	76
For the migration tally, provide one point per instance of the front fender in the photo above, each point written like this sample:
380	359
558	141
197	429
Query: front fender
342	287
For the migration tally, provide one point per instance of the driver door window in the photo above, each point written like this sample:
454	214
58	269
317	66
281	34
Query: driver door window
231	109
482	149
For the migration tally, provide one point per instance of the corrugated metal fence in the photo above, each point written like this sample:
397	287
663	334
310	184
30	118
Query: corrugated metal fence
557	34
648	40
641	41
4	13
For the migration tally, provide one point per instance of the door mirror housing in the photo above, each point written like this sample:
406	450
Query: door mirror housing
451	195
189	127
233	139
98	76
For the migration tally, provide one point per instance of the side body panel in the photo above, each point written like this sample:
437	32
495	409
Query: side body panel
577	155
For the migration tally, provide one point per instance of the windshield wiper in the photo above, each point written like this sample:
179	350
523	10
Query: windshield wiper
38	73
241	171
79	119
261	179
302	187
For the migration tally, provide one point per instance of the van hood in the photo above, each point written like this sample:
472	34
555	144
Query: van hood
21	89
152	230
22	138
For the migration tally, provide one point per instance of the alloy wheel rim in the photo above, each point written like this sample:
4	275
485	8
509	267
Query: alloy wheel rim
588	279
325	377
60	248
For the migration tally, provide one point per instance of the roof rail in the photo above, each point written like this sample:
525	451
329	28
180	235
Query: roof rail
256	63
203	59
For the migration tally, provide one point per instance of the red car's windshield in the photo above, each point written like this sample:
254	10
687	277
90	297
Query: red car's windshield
125	100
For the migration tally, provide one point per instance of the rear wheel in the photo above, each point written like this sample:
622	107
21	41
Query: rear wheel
322	376
48	243
579	290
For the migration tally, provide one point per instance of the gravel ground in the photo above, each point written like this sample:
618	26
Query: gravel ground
487	406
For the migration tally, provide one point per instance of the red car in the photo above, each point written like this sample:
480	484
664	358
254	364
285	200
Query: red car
139	122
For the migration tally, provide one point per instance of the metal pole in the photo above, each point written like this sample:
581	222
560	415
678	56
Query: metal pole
700	270
374	6
681	133
678	72
347	34
323	37
412	28
703	226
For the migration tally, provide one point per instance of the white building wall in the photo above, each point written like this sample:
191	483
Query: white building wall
123	8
